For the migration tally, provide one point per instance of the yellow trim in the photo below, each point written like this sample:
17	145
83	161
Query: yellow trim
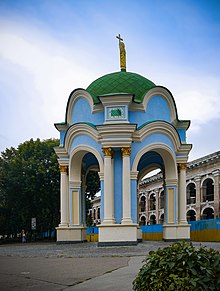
170	205
205	235
92	237
75	207
152	236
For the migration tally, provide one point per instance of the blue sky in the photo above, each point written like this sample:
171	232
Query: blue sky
48	48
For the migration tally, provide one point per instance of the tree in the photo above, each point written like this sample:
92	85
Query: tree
29	187
92	187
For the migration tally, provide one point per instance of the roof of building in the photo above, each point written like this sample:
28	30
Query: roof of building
120	83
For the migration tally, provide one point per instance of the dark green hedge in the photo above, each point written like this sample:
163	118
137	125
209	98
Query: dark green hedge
180	267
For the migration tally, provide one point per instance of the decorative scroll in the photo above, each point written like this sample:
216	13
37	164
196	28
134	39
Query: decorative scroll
182	167
108	152
126	151
63	169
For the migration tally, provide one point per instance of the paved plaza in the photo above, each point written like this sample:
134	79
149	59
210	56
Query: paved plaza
48	266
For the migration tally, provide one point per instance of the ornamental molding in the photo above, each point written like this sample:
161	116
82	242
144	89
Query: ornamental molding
126	151
63	169
101	176
166	94
116	135
134	175
79	129
75	184
167	129
171	182
116	99
108	152
74	96
182	167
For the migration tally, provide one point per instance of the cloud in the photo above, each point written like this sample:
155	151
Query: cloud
44	72
199	101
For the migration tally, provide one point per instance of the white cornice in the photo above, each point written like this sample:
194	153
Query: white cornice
116	135
116	99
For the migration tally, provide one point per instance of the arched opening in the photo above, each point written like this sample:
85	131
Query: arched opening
191	215
152	202
161	203
84	186
191	194
143	204
150	169
208	190
161	218
208	213
142	220
161	156
152	219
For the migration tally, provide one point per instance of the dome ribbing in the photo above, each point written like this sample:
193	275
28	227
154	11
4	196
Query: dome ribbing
120	83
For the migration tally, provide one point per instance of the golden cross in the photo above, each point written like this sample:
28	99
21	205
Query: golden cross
122	53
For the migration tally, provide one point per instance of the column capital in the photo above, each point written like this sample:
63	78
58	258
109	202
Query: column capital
182	166
63	169
126	151
108	152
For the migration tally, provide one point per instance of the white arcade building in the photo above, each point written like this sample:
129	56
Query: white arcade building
123	126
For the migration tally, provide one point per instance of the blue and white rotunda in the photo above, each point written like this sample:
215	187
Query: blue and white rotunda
123	126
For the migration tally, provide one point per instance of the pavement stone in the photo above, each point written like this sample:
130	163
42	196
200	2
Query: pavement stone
83	266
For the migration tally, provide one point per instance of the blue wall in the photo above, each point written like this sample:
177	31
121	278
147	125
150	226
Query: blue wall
118	185
82	113
157	109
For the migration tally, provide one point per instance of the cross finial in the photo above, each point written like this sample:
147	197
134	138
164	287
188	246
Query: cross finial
119	37
122	53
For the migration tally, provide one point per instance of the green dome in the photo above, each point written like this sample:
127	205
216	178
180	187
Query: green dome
120	83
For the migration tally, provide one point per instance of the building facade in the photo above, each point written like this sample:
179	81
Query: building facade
202	192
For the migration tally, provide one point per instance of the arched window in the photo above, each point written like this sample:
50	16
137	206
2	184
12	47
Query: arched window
191	194
191	215
162	218
208	190
152	219
94	214
162	200
143	204
98	213
143	220
152	201
208	213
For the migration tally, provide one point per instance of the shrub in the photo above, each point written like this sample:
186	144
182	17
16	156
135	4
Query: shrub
180	267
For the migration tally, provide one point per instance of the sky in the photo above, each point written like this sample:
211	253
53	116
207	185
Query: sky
48	48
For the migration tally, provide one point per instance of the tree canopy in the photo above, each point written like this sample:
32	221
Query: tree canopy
29	187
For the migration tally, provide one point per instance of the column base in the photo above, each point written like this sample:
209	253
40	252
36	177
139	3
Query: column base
108	221
176	232
117	235
71	234
126	221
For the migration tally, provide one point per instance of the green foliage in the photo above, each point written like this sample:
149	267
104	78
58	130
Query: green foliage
180	267
29	187
92	183
92	187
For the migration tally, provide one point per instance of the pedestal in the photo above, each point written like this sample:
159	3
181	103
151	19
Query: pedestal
71	235
117	235
176	232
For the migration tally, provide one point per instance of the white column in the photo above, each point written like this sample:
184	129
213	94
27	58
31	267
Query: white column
126	186
182	193
64	196
108	187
